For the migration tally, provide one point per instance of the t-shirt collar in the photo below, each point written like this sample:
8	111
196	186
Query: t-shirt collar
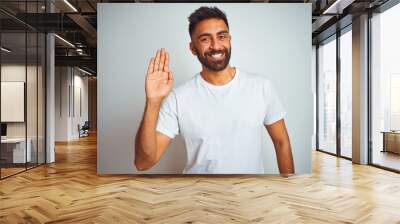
233	80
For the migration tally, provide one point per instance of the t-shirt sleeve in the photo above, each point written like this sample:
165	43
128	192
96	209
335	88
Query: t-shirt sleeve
167	122
274	107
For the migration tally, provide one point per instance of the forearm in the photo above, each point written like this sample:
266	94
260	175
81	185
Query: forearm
146	141
284	157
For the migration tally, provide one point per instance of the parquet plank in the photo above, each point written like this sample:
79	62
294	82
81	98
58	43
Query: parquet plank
70	191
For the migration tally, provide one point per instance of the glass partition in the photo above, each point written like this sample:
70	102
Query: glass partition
346	93
22	77
13	94
32	95
385	89
327	96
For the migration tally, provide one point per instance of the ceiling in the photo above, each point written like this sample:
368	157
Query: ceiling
76	22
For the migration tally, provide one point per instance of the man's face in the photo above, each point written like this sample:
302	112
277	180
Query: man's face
211	43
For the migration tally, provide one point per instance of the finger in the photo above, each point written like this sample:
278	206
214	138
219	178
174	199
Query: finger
166	64
170	78
157	61
150	69
162	59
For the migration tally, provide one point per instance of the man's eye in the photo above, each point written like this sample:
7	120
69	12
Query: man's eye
204	39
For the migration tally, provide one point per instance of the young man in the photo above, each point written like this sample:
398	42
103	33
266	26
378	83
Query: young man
221	113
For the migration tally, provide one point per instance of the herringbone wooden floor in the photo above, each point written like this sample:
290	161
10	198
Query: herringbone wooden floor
69	191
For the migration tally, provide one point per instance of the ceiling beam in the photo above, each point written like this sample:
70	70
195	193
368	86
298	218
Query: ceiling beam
84	61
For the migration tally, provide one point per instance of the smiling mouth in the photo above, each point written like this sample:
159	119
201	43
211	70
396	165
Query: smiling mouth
217	56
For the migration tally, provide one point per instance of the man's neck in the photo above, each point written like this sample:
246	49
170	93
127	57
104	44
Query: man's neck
218	78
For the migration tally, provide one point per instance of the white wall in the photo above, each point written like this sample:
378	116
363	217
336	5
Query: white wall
15	72
80	84
61	103
269	39
68	81
12	73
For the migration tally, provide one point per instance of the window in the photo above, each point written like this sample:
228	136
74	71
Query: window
395	102
346	93
327	96
385	89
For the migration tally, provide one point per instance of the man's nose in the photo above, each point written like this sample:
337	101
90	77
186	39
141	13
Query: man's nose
215	45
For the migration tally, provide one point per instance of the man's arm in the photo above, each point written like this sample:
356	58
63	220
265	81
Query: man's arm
280	138
150	144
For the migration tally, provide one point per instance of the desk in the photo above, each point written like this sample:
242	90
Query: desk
15	148
391	141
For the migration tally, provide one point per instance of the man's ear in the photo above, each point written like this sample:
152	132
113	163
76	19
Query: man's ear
191	47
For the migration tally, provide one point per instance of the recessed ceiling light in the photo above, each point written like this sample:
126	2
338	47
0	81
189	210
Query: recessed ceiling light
338	6
70	5
64	40
84	71
5	50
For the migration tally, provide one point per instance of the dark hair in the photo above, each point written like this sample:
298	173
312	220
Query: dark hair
204	13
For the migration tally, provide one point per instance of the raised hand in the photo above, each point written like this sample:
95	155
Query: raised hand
159	79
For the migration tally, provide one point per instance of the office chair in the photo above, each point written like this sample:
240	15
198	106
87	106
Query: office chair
84	130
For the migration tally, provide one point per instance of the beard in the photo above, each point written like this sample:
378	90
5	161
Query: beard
212	64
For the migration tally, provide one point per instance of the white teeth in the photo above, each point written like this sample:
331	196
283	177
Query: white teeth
217	55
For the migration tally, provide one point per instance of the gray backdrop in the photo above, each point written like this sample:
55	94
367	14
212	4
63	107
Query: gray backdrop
269	39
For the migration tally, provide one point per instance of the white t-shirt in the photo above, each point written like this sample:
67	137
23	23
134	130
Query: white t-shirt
222	126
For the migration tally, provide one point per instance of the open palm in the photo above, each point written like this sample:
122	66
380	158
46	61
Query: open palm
159	79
